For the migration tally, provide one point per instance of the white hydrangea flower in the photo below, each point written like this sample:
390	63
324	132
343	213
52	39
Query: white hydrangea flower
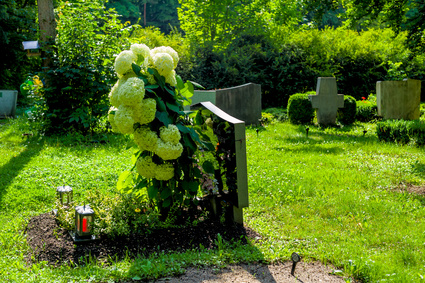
144	111
169	50
123	62
170	134
123	119
171	78
146	139
111	119
164	172
168	151
163	63
146	167
141	50
131	92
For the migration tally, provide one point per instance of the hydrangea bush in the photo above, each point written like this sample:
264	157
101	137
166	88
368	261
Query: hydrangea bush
147	102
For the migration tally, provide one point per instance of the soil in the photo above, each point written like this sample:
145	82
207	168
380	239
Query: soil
49	242
418	190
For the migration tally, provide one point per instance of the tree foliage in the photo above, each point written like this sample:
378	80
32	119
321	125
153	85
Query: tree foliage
88	37
17	24
218	22
159	13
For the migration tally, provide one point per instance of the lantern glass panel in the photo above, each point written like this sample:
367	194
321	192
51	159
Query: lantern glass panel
84	217
65	195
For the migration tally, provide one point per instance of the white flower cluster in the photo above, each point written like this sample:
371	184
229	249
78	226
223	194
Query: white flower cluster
129	106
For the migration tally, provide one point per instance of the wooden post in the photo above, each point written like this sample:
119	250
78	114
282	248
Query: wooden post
47	25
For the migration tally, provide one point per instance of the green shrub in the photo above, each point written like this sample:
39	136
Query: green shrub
366	111
279	114
300	110
357	60
347	115
401	131
82	72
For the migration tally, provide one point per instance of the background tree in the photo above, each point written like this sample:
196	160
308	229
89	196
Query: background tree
88	38
17	24
157	13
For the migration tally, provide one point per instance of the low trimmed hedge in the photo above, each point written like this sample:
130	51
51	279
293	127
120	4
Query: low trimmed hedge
401	131
300	110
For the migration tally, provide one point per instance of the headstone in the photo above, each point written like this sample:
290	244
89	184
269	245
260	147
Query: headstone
8	99
399	99
233	179
242	102
326	101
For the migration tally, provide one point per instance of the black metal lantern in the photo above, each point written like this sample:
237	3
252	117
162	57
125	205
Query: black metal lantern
64	195
84	218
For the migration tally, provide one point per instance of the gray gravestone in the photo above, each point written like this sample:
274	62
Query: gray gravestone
399	99
234	143
8	99
242	102
326	101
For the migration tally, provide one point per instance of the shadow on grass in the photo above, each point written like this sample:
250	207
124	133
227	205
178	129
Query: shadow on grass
11	169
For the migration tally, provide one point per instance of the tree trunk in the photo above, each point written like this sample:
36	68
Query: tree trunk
47	24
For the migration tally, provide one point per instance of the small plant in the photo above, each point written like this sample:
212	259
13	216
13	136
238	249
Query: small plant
367	109
300	110
277	114
347	115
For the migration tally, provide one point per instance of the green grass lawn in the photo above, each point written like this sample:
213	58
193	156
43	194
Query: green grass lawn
332	196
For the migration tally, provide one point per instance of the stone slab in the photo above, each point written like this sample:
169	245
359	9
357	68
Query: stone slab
240	200
242	102
8	99
399	99
326	101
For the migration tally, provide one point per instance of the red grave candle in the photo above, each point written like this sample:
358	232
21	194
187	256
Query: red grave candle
84	224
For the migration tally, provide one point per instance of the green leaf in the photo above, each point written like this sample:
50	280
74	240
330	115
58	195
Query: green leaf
136	69
180	83
163	117
166	202
208	167
189	142
182	128
67	88
151	86
166	193
170	91
174	108
124	181
197	85
152	192
160	104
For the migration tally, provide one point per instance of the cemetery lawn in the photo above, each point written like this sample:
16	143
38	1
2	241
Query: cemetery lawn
338	196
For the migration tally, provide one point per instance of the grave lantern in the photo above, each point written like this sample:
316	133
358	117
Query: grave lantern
84	217
65	195
32	48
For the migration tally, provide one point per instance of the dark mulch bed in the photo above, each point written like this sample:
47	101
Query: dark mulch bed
49	242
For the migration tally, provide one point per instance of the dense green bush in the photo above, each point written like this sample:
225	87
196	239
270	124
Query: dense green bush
79	81
401	131
300	110
17	24
366	111
357	60
347	115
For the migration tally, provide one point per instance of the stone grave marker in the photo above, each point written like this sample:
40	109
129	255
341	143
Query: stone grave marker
231	149
242	102
399	99
8	99
326	101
